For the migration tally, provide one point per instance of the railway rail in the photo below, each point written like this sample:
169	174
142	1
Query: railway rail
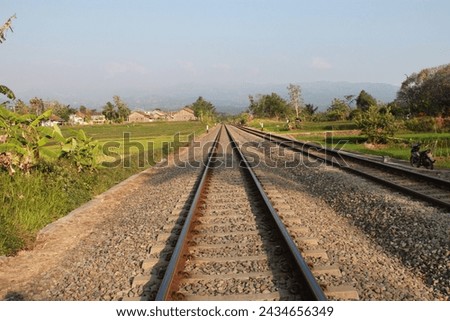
233	244
425	187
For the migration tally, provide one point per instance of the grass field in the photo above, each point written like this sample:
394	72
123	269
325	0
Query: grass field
347	134
29	202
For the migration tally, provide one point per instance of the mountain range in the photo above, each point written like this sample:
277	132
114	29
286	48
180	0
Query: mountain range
232	98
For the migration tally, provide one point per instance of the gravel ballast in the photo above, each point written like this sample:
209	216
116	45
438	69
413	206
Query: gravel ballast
387	245
95	251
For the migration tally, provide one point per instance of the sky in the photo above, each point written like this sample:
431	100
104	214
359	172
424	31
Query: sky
101	48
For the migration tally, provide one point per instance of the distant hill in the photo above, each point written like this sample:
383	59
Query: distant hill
227	98
233	99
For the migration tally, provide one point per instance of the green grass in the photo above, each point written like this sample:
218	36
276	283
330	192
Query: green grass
29	202
346	131
400	148
280	126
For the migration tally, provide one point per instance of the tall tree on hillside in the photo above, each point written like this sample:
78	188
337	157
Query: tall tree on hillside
296	100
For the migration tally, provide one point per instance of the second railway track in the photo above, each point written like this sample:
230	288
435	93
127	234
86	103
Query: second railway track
428	188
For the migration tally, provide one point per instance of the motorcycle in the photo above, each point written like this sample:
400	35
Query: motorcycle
421	158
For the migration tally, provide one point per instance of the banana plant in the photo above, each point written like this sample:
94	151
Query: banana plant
22	139
81	150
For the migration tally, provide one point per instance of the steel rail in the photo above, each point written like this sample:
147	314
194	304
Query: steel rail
329	151
404	172
314	287
170	274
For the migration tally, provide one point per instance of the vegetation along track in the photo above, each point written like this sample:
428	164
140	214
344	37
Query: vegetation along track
232	245
426	187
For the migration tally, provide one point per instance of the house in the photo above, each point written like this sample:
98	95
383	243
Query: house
53	120
157	114
139	117
184	114
98	119
77	119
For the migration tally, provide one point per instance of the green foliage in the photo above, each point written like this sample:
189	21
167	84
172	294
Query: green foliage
203	110
109	111
55	187
428	124
426	92
7	92
270	106
365	100
310	110
377	124
60	110
81	150
244	118
31	201
339	110
117	112
23	140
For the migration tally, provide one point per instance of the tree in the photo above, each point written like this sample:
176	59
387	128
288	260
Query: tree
61	110
122	109
110	112
365	100
37	106
426	92
117	112
378	124
310	109
203	109
296	100
339	110
21	108
270	106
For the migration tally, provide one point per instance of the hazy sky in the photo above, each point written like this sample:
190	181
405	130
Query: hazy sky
108	46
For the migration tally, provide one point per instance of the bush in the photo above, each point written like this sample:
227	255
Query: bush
378	124
428	124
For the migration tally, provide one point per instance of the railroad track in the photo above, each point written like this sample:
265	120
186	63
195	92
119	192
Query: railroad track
425	187
231	244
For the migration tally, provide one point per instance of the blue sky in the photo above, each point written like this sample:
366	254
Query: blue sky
99	47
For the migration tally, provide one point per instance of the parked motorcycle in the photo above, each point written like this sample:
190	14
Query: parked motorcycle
421	158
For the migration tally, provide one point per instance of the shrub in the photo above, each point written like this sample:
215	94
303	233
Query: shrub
428	124
378	124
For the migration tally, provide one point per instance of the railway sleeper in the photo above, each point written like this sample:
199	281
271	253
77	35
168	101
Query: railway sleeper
343	292
275	296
